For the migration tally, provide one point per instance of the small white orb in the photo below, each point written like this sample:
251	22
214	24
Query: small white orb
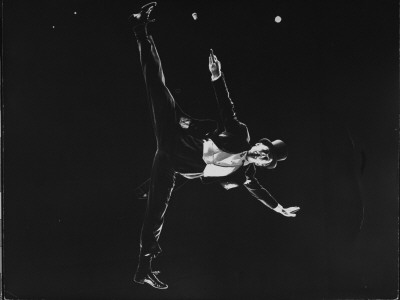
278	19
53	26
75	12
194	16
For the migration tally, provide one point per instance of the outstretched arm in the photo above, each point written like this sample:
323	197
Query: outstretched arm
261	194
225	103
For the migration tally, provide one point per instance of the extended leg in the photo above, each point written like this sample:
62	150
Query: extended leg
161	184
162	107
162	103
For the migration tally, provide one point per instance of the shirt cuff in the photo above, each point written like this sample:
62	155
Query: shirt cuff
278	208
214	78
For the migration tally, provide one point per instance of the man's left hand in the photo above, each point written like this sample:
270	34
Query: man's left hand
287	212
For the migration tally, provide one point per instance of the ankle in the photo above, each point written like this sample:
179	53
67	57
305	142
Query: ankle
144	265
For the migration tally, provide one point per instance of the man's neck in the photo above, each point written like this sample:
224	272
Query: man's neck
248	157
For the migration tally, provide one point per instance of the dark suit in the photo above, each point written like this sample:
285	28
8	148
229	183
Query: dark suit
180	149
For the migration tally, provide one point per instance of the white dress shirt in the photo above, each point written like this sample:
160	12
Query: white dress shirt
219	163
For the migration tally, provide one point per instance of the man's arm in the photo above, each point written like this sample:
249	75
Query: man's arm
262	195
225	103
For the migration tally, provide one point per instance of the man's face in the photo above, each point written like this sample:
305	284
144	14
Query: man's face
259	154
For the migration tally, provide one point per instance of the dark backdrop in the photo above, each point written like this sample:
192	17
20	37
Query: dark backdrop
78	141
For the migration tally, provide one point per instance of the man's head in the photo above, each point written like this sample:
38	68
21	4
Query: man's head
267	154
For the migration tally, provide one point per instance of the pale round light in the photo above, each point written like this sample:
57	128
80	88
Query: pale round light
194	16
278	19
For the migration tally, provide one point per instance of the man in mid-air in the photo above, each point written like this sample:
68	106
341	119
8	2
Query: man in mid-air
212	151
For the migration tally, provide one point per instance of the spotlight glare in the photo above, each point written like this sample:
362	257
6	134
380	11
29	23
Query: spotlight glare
278	19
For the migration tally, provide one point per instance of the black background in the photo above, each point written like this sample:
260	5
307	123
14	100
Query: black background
78	141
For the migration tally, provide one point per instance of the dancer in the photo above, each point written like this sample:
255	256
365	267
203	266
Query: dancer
212	151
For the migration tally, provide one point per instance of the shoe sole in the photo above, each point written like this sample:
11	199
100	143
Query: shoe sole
149	283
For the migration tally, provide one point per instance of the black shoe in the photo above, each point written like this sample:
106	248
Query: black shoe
151	279
142	17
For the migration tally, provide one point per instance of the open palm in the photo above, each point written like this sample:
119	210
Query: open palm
290	211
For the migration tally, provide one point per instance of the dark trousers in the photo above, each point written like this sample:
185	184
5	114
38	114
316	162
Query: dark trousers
177	151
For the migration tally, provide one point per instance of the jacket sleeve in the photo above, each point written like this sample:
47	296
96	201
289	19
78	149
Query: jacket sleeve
225	105
257	190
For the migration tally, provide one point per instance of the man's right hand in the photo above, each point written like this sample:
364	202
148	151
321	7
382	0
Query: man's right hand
214	65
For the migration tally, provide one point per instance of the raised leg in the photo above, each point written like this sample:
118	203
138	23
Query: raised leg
162	103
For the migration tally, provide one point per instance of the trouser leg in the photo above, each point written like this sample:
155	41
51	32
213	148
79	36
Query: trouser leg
161	101
163	113
161	185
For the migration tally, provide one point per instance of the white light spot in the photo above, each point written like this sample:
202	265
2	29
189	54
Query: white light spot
278	19
75	12
194	16
53	26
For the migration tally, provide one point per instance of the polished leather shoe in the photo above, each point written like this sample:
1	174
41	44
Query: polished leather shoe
143	16
151	279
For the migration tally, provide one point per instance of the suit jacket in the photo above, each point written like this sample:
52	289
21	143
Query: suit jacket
231	136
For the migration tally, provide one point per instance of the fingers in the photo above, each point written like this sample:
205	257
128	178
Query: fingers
293	209
212	59
290	211
212	55
288	214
